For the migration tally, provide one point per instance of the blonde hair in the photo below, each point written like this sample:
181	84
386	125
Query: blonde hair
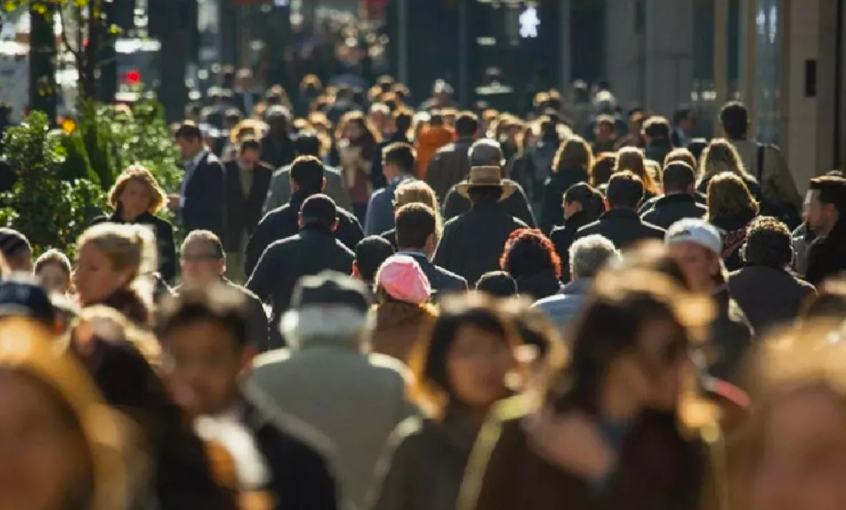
138	173
720	156
128	247
632	159
575	153
727	196
418	192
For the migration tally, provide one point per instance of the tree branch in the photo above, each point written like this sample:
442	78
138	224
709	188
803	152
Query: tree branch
65	40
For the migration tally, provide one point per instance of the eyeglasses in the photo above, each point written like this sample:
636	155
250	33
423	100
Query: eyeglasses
203	257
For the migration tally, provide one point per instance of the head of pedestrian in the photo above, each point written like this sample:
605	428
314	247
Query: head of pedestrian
189	138
583	198
398	160
679	178
400	278
329	307
826	204
370	253
462	366
135	193
734	118
53	270
697	246
203	332
625	191
319	212
486	152
307	176
484	186
202	258
16	250
768	244
498	284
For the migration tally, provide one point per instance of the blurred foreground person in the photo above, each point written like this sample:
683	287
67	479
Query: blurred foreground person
62	447
460	371
794	456
205	337
826	209
16	250
497	284
327	380
607	434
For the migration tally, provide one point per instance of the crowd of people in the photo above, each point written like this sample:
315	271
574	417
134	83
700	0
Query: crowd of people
365	305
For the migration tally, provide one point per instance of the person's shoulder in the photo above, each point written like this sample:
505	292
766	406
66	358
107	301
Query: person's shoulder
282	172
390	368
269	361
264	168
247	293
212	159
331	171
161	223
446	149
449	274
105	218
452	223
590	228
654	230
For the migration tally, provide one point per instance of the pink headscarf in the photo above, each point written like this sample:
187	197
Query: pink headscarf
404	280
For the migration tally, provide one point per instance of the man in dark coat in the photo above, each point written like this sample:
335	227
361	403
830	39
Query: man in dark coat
488	152
277	147
679	200
582	205
313	250
402	124
247	181
211	324
307	179
826	208
621	224
201	203
450	164
203	263
697	248
768	293
658	134
398	163
472	243
416	237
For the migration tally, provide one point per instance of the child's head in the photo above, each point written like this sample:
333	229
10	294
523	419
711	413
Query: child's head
53	270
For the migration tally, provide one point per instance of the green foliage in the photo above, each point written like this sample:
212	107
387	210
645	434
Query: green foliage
51	212
95	138
76	164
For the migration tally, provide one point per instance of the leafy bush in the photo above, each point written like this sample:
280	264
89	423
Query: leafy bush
51	212
76	164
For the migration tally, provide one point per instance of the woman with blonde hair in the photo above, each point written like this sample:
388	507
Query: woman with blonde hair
570	166
415	192
718	157
731	208
63	448
114	268
633	160
136	198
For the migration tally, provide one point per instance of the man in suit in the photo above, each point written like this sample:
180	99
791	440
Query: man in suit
398	163
277	147
247	181
307	144
621	224
679	200
246	97
307	179
416	237
201	203
450	165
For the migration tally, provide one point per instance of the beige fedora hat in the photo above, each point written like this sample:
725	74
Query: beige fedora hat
485	176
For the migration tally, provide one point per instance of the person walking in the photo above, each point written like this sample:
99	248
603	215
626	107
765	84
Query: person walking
398	164
277	146
658	134
826	209
450	165
530	258
679	201
570	167
582	205
731	208
473	242
328	381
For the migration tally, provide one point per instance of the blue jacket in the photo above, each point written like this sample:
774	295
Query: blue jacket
380	212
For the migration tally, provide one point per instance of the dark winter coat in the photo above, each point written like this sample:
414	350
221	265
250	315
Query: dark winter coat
731	338
244	211
283	222
552	210
733	229
622	227
280	155
672	208
441	280
516	205
563	237
539	285
472	243
163	231
449	166
769	296
204	205
827	255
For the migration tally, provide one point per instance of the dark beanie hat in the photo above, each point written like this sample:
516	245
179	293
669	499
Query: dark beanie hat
13	242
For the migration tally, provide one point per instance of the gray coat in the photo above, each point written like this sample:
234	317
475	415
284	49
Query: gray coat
564	307
279	192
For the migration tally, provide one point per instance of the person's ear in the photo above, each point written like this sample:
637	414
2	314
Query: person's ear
323	184
691	188
221	266
607	204
431	243
334	226
300	221
355	272
294	187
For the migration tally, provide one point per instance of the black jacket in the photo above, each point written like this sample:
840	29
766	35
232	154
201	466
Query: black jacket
622	227
563	237
280	155
657	151
391	237
283	222
827	255
472	243
516	205
552	212
537	286
243	212
769	296
441	280
672	208
284	262
300	478
164	239
205	198
731	338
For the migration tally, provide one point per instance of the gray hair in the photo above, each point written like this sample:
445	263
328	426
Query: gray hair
486	152
589	254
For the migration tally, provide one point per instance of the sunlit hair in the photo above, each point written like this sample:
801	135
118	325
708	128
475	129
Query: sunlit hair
683	155
721	156
29	351
602	169
729	196
141	174
574	154
633	160
419	192
54	257
356	117
428	360
527	252
107	324
128	247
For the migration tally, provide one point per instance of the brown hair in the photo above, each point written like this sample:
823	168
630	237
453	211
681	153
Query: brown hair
574	154
126	246
411	192
683	155
54	257
138	173
602	169
632	159
727	196
721	156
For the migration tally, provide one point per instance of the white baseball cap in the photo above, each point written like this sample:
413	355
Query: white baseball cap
696	231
